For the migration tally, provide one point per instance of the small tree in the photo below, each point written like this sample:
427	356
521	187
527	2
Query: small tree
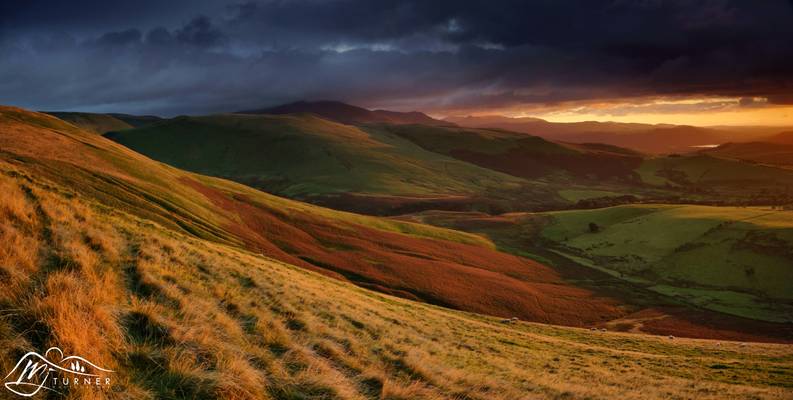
593	227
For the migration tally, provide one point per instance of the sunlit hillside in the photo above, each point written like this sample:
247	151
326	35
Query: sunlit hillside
416	261
147	278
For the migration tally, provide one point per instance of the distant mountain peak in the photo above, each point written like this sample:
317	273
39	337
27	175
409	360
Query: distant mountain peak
349	114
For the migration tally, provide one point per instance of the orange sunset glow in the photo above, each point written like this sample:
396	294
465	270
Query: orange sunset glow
687	111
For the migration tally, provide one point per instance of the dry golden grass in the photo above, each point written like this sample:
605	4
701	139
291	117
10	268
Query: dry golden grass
180	317
18	245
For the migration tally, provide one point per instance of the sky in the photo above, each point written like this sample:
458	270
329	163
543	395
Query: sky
705	62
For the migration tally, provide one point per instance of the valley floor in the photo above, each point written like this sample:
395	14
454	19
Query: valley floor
686	270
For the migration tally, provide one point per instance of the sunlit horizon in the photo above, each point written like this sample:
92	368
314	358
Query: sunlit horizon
703	112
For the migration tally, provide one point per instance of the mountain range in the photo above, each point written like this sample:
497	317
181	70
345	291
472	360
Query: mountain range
646	138
348	114
390	168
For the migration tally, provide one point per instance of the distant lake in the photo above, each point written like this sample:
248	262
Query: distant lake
706	146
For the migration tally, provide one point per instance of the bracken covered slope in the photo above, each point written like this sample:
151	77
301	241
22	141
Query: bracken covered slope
440	266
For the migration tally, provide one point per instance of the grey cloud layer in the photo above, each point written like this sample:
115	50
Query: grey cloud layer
198	57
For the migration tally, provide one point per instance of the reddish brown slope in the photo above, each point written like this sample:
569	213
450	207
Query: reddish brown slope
465	276
456	275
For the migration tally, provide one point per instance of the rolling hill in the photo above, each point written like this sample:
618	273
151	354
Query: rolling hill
136	120
96	123
645	138
720	180
732	260
306	157
350	247
404	259
387	168
391	169
520	155
590	171
178	317
348	114
777	154
103	123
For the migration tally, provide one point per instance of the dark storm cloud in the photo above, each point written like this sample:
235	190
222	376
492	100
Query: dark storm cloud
126	37
203	56
200	32
158	36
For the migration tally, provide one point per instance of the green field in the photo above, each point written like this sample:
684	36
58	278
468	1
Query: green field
711	172
733	260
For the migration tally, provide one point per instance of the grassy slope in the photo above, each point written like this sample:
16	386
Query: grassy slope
733	260
441	266
303	155
596	167
758	152
388	169
340	244
520	154
65	143
714	173
727	259
177	316
347	114
568	173
137	121
410	163
96	123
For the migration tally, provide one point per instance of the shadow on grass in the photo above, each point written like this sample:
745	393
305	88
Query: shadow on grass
151	370
141	329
